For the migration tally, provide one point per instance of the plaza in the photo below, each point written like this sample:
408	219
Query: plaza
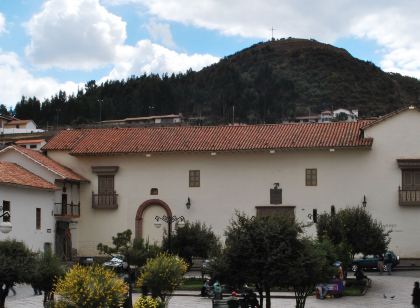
386	291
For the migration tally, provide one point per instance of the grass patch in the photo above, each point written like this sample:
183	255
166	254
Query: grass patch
352	291
191	284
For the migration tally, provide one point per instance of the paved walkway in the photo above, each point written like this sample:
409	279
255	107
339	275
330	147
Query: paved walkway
387	291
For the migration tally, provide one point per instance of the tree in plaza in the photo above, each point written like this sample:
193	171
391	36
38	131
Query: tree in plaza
134	252
353	230
162	275
311	265
259	250
47	269
193	240
16	265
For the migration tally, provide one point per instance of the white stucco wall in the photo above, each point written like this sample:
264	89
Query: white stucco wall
23	204
242	181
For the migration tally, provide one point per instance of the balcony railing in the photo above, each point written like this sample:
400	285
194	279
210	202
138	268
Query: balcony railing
409	196
67	210
104	200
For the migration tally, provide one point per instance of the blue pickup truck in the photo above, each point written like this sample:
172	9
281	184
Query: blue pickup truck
370	262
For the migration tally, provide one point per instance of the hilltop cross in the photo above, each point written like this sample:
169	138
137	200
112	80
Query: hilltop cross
272	33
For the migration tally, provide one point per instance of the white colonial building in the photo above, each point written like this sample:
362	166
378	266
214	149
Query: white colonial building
43	200
206	173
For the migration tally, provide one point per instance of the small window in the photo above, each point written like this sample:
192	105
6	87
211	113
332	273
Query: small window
32	146
311	177
38	218
154	191
6	208
194	178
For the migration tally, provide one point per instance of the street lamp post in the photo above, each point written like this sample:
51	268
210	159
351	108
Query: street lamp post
180	221
5	225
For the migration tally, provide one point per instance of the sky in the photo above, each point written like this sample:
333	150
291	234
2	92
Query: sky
48	45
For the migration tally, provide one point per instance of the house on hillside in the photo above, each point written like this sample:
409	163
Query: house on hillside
61	208
205	173
33	144
150	120
338	115
16	126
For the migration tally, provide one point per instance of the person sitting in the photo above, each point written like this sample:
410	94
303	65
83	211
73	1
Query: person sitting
205	288
361	278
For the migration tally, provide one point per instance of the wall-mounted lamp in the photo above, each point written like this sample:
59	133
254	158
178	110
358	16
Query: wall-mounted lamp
364	202
188	204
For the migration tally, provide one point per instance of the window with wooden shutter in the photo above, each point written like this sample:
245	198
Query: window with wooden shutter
311	177
105	184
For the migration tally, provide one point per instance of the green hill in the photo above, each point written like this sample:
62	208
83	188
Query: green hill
265	83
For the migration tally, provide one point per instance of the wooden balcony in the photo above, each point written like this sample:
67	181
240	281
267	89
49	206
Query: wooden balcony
104	201
67	210
409	196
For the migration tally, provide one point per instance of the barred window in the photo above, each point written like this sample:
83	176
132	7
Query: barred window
194	179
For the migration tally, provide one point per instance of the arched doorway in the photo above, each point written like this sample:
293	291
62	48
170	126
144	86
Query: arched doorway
145	219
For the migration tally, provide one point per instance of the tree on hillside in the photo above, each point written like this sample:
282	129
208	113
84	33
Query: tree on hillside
16	266
3	110
355	231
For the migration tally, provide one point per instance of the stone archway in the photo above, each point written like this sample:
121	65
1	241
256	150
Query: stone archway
142	209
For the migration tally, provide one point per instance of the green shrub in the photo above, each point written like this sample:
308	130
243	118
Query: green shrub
91	287
162	274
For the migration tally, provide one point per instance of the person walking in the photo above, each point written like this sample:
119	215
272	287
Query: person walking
388	262
381	264
416	295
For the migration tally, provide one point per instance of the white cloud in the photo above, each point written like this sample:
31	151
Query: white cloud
161	33
74	34
17	81
147	57
2	23
397	30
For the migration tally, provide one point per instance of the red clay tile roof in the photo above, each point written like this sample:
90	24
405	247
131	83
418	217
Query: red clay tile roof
210	138
64	172
13	174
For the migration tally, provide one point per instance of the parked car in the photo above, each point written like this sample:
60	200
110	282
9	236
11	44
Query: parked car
370	262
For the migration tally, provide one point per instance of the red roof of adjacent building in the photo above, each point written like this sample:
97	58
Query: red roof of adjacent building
210	138
29	141
13	174
64	172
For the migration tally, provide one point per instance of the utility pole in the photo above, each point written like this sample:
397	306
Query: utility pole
233	114
100	101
